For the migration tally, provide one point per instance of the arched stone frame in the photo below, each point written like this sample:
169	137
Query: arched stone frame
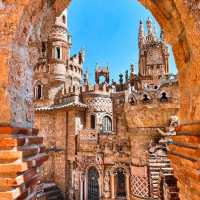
36	85
92	113
145	95
132	99
57	54
102	73
100	181
161	95
102	116
113	171
181	31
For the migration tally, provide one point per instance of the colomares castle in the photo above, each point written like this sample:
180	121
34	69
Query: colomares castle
63	137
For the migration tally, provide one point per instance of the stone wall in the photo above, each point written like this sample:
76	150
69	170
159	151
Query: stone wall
53	128
179	20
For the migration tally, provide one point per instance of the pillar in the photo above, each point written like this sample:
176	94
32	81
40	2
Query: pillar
101	184
127	187
82	177
113	185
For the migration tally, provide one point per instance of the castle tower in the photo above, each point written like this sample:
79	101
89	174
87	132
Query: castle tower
58	48
153	55
141	35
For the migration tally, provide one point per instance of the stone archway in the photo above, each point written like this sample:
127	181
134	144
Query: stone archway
23	24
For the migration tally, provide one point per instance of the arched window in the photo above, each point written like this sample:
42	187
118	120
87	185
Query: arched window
38	91
121	184
93	121
107	124
164	97
64	19
93	184
58	53
145	98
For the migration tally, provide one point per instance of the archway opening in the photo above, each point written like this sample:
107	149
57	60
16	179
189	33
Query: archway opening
93	184
120	184
106	124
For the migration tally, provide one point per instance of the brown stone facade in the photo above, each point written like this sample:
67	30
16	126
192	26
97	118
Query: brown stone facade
22	20
98	136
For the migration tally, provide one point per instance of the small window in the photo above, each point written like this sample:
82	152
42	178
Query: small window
107	124
93	121
38	92
43	47
145	98
58	53
64	19
164	97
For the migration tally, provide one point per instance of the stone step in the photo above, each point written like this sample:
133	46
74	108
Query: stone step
57	197
9	142
13	168
9	156
13	130
36	160
13	181
53	192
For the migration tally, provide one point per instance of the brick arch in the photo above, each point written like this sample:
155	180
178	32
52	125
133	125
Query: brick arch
179	20
23	23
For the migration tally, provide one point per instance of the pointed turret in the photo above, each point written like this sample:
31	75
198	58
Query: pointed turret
149	26
86	78
141	35
151	31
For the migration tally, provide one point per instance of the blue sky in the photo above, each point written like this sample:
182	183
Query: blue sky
108	31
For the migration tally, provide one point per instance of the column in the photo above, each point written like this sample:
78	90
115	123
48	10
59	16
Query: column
81	186
113	185
127	187
101	184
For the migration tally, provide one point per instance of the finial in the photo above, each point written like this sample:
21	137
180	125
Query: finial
121	79
149	25
141	34
86	77
126	76
132	68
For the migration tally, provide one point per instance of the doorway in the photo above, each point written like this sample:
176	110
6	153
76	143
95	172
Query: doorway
120	185
93	184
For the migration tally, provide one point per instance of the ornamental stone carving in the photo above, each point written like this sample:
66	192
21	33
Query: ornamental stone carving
100	104
107	184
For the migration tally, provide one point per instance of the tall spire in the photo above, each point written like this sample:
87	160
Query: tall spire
151	31
149	26
86	77
141	35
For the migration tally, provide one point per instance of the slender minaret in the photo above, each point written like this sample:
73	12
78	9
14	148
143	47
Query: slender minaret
149	26
141	35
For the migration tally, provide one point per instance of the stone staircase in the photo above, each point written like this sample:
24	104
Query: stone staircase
49	191
184	154
21	153
156	165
